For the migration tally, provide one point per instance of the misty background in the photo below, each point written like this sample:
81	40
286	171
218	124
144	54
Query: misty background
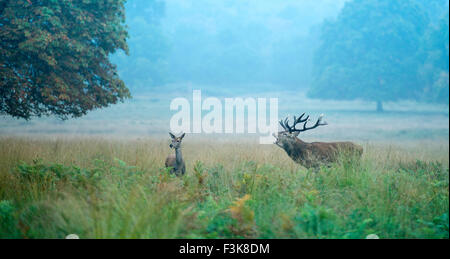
378	69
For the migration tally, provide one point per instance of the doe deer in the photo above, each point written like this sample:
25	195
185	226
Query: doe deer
315	154
176	161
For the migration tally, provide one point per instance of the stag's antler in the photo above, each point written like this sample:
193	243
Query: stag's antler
285	124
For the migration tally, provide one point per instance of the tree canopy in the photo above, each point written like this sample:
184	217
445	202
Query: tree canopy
54	56
372	51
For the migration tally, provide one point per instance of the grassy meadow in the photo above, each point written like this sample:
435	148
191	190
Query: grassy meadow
98	177
233	188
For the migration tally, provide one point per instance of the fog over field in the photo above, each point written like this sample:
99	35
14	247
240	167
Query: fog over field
148	115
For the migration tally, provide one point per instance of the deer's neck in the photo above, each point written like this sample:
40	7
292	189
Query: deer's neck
302	143
179	156
296	149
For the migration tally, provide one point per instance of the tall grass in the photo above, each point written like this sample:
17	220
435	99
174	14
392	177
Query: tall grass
100	188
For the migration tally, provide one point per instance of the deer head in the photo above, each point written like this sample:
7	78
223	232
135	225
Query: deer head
290	133
176	141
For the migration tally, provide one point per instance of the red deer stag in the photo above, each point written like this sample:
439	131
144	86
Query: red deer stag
315	154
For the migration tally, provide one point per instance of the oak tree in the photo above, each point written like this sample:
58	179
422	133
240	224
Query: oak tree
54	56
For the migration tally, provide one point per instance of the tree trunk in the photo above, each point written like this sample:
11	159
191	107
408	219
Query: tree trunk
380	106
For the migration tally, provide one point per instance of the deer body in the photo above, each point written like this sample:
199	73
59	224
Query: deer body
176	161
315	154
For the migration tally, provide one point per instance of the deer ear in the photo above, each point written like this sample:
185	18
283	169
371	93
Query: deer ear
171	135
296	133
182	136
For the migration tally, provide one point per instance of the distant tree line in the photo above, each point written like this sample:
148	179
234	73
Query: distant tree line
384	50
377	50
146	64
220	42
